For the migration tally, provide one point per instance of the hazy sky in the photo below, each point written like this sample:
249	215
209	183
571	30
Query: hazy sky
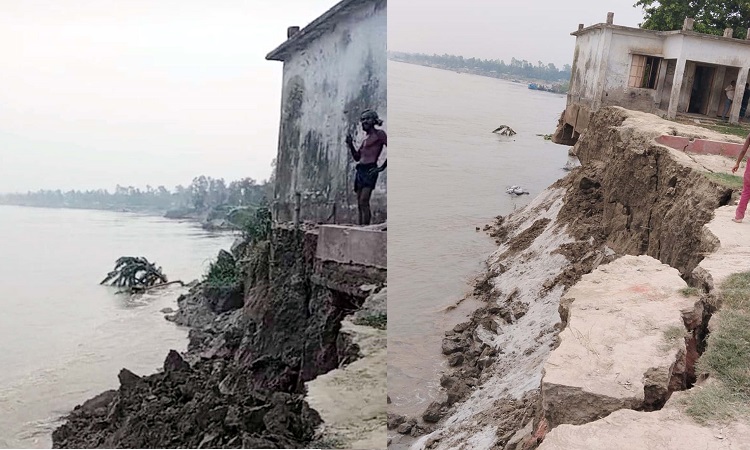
533	30
99	92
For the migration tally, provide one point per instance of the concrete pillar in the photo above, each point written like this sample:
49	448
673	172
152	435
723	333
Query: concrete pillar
739	90
674	96
688	24
291	31
728	32
610	18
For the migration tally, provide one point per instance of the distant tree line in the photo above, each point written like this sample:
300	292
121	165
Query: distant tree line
202	194
491	67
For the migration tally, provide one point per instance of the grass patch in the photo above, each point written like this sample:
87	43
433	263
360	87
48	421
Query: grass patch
728	353
690	292
715	402
223	271
257	226
734	130
735	291
672	336
727	358
379	321
329	442
725	179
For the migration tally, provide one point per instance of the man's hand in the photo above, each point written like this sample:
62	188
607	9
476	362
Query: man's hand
374	171
736	166
349	139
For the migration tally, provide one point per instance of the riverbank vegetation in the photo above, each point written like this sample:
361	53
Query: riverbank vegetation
203	193
726	395
496	68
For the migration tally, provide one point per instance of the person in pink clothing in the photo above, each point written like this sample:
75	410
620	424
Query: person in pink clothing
745	197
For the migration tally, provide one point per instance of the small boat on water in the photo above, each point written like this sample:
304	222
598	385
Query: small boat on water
517	190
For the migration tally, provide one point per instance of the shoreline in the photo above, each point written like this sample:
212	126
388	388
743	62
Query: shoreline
496	389
251	341
519	79
196	217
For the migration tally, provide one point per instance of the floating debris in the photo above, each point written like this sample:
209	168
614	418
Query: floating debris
517	190
134	272
572	163
504	130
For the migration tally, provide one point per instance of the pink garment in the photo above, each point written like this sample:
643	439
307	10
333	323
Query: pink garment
745	197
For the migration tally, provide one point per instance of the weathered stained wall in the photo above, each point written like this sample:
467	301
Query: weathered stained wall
601	68
325	88
616	92
585	81
586	66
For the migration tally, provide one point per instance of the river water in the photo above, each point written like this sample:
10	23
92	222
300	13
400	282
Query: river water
63	337
448	175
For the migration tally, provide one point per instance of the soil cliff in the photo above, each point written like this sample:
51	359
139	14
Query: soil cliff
519	366
252	348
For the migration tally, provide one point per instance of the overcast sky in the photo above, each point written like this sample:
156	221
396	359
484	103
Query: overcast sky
95	93
533	30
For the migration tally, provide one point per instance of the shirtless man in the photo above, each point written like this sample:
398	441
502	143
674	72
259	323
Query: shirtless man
367	158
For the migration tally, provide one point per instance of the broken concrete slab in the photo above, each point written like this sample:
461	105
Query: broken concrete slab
668	428
612	353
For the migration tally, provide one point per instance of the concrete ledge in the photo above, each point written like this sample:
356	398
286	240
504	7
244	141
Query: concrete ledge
352	245
701	146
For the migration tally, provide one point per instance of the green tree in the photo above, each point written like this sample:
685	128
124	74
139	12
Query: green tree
199	192
711	16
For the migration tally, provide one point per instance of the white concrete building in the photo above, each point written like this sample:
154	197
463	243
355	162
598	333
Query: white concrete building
334	69
662	72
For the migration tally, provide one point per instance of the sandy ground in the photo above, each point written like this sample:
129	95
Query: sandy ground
339	395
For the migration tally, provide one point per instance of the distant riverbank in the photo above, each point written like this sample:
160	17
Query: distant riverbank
222	218
557	87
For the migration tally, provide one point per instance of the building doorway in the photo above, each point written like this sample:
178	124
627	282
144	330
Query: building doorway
700	95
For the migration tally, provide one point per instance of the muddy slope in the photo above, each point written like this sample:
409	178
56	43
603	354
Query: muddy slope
630	196
242	382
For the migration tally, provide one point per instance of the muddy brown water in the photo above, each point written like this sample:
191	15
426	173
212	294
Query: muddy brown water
449	175
64	338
